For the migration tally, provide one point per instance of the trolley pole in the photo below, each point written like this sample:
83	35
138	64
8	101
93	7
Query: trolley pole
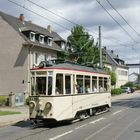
100	48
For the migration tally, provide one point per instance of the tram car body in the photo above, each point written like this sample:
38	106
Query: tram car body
67	91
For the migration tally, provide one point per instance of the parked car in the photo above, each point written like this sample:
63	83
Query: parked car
128	89
132	90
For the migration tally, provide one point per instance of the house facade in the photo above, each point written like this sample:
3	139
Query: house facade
23	45
114	63
133	77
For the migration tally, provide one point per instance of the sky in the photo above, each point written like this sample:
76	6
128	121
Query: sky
120	30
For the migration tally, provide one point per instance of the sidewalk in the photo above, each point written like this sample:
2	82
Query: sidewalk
12	119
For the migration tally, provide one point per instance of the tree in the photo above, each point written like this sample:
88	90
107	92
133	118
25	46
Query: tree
113	78
83	45
138	79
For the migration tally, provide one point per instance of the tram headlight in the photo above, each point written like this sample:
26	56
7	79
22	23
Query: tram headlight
48	105
32	104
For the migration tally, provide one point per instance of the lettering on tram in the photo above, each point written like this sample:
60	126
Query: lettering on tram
67	91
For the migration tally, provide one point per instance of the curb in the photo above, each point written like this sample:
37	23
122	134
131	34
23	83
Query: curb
11	122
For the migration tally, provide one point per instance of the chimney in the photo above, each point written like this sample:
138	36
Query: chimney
21	18
49	28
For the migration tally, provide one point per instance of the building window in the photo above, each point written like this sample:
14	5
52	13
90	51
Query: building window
49	41
41	39
122	72
32	36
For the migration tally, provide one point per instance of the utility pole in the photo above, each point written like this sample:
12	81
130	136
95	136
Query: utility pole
139	67
100	48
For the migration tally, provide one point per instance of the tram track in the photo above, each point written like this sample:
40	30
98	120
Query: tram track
118	112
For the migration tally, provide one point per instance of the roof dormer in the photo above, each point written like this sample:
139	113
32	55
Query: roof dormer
49	41
32	36
41	39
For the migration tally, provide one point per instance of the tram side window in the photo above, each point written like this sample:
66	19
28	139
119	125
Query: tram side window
68	84
94	84
41	85
106	84
49	85
59	84
101	88
87	84
79	86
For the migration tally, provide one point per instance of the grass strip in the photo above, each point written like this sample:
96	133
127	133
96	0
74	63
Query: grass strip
2	113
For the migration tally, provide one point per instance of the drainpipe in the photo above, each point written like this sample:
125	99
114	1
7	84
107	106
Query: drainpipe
29	67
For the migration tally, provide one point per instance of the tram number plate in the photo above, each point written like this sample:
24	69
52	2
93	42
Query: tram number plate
33	98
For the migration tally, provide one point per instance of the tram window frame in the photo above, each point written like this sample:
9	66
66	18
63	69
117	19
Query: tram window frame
87	84
101	85
94	84
49	85
80	84
59	84
42	89
68	84
108	84
34	85
105	84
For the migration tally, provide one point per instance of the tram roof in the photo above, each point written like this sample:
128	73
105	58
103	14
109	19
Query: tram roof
73	66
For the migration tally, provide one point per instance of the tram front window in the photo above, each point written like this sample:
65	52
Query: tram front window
40	85
49	85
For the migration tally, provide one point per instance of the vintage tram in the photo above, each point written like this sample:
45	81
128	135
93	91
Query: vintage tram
67	91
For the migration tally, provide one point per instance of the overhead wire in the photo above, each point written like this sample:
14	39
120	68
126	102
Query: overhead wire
116	21
122	17
52	20
53	12
132	46
68	20
39	15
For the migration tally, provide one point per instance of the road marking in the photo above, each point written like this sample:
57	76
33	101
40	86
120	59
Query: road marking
117	112
61	135
81	126
126	128
97	120
89	137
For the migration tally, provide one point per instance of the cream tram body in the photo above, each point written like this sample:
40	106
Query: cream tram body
60	92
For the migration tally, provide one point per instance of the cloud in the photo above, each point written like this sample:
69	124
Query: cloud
89	14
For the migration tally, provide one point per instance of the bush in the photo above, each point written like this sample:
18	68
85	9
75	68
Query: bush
129	84
27	101
116	91
3	100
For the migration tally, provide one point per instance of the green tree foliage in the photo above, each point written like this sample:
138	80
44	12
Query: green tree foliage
138	79
129	84
116	91
113	77
83	44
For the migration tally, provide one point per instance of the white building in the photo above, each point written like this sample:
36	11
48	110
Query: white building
133	77
113	62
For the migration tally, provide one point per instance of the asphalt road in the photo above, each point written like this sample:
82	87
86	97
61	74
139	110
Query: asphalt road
121	123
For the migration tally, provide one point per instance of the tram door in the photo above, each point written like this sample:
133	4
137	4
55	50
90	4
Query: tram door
68	91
